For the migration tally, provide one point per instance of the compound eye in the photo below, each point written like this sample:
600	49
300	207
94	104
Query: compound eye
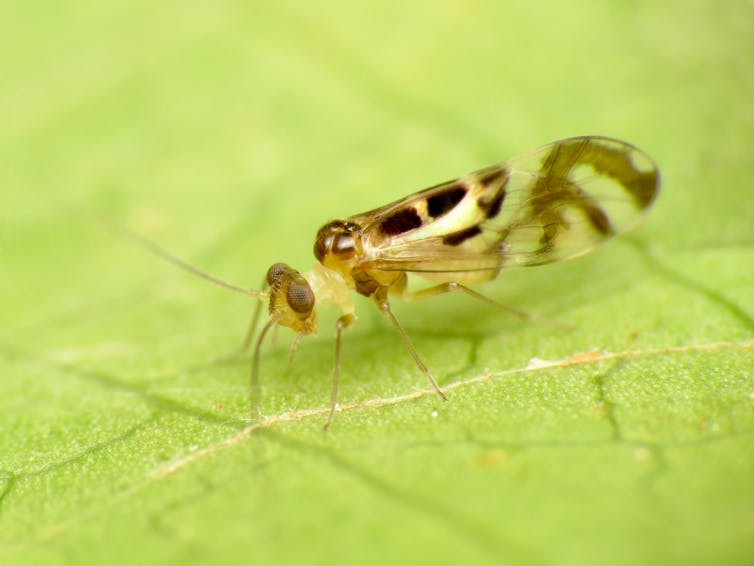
300	297
275	271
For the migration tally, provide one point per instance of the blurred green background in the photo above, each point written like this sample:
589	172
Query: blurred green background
229	132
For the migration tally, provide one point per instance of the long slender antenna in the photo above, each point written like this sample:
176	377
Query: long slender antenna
158	250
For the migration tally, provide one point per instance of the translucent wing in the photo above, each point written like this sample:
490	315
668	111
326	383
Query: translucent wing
561	201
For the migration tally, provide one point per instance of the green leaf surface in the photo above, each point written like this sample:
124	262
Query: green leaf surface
229	132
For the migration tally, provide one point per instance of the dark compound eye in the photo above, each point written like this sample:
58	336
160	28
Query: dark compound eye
300	297
276	271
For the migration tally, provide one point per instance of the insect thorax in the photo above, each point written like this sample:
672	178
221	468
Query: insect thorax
340	247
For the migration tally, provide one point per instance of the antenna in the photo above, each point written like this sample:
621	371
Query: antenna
159	251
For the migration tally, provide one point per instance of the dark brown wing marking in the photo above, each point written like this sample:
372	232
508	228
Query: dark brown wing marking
401	221
491	174
444	201
458	238
491	201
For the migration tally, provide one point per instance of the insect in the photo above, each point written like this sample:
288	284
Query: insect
558	202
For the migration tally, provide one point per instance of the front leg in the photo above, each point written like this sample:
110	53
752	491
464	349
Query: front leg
343	322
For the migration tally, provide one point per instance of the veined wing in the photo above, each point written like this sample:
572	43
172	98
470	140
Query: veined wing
559	202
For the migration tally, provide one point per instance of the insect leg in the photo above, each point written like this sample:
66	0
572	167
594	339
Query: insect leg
246	344
254	391
294	344
343	322
452	286
384	306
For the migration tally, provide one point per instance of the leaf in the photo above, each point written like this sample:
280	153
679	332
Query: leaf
229	133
